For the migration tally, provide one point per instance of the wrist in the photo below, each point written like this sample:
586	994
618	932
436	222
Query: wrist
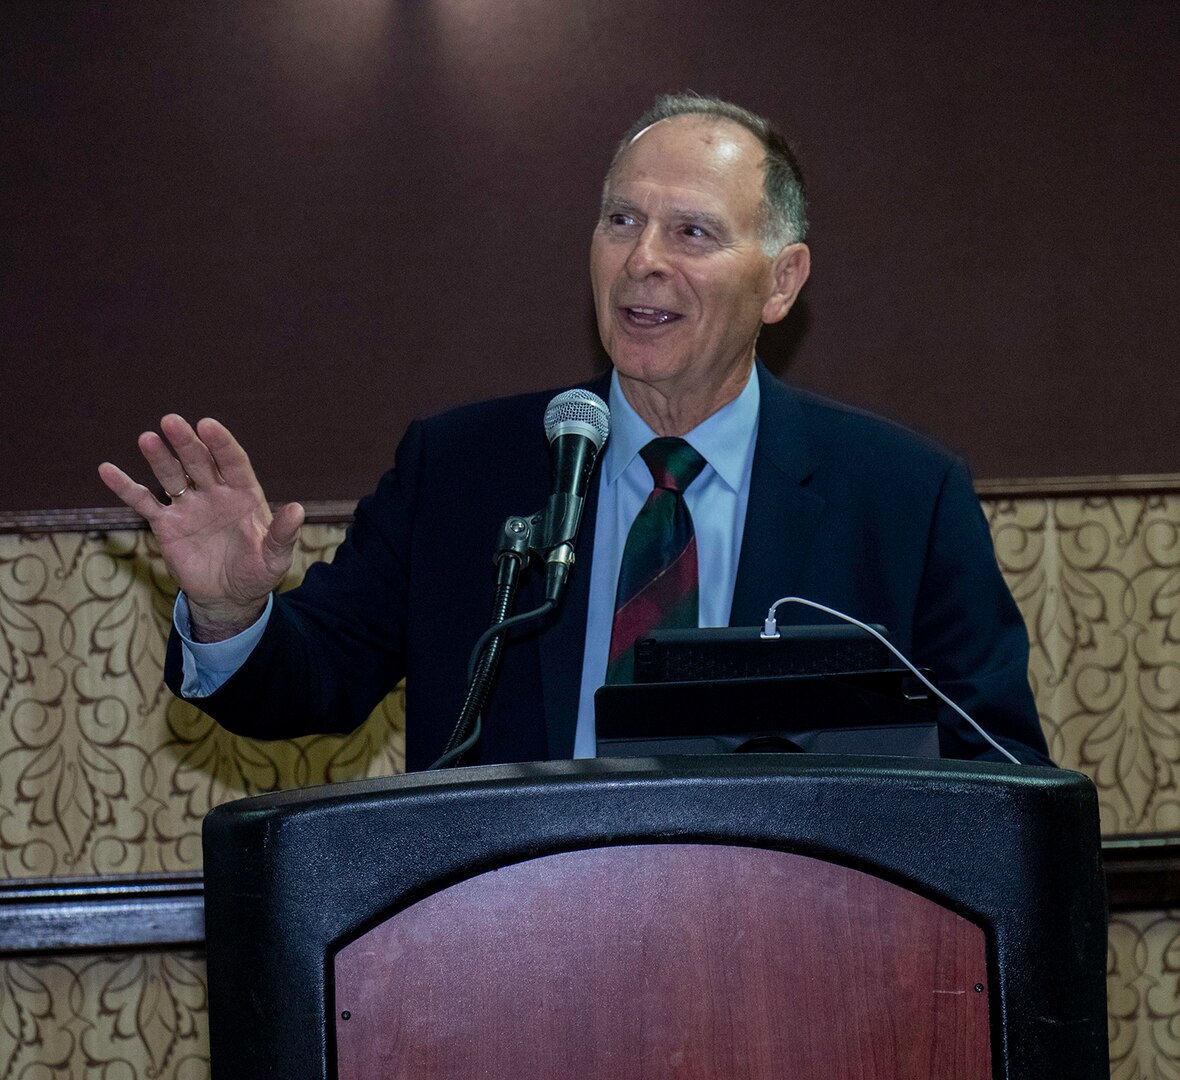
221	620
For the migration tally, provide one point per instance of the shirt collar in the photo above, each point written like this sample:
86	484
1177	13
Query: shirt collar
724	439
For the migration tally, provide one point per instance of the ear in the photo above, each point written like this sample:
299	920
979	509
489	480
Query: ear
788	273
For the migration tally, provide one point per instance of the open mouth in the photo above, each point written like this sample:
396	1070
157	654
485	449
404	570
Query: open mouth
646	316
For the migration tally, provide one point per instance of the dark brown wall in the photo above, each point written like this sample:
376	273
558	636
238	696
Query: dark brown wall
316	219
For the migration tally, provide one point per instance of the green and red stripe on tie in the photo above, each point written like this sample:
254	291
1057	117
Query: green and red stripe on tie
659	586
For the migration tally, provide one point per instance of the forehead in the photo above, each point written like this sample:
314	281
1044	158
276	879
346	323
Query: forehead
701	157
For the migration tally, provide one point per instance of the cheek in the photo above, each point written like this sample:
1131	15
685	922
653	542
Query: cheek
727	297
604	257
601	277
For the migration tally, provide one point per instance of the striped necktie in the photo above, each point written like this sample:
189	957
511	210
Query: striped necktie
658	581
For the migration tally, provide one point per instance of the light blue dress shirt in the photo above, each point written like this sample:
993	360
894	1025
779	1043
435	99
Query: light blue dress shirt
208	664
716	499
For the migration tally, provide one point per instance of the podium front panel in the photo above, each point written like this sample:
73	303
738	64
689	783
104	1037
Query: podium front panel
662	961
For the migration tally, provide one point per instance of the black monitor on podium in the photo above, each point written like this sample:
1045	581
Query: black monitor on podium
828	689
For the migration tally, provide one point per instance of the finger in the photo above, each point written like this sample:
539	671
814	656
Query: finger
131	494
165	466
195	457
232	462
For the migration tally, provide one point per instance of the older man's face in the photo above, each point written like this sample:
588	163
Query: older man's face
680	278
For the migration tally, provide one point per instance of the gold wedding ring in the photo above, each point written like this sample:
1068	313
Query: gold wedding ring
177	494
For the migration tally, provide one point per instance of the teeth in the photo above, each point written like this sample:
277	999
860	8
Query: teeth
650	316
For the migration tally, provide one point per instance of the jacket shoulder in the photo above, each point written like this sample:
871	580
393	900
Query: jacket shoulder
848	420
837	435
503	415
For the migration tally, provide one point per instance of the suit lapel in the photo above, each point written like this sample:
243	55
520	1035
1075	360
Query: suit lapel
782	515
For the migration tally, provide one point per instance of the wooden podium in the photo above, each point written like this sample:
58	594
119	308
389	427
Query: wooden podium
793	917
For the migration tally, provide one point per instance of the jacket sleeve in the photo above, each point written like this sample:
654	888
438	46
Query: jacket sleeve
336	644
968	629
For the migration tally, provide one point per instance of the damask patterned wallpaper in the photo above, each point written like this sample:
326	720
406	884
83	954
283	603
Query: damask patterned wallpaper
114	1016
1098	582
102	772
1143	1002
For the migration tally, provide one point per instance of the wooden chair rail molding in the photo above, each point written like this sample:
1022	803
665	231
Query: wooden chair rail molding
119	911
95	518
1083	486
163	910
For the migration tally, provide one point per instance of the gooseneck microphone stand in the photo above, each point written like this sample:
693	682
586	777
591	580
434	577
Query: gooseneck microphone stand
517	540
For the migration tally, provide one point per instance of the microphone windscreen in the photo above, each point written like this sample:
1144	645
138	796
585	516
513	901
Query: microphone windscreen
578	412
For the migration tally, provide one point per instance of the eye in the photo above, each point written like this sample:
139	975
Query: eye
620	220
694	232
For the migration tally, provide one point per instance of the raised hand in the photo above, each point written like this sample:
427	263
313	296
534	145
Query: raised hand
217	534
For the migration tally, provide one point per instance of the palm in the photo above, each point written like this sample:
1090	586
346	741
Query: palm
217	535
213	543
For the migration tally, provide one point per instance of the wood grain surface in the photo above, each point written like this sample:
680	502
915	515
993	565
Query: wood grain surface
667	960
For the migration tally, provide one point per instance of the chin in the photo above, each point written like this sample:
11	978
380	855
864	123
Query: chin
648	365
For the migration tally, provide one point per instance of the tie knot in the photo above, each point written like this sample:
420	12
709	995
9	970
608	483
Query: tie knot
673	463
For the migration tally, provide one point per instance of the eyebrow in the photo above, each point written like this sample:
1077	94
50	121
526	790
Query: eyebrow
699	217
614	205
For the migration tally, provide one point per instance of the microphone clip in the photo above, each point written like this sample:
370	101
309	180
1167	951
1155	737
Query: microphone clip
521	537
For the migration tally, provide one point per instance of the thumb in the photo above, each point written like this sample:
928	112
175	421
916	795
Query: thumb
282	533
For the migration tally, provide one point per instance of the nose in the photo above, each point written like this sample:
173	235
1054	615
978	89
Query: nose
647	256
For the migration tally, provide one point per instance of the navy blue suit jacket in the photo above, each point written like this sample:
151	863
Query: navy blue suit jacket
845	508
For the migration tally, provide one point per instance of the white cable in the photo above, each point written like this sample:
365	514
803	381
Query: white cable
770	630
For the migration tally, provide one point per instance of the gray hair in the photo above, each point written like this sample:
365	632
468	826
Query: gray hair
784	197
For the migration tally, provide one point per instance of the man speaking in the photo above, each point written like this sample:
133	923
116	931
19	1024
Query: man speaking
719	484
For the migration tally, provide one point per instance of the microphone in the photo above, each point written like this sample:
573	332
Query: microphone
577	424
